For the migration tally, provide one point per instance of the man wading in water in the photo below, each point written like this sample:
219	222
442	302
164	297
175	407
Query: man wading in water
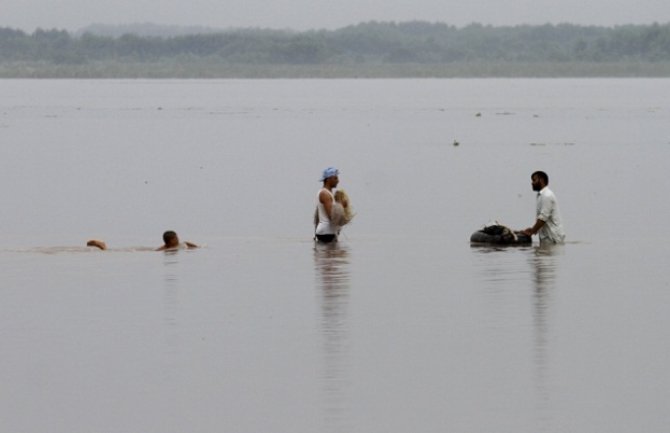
548	218
327	227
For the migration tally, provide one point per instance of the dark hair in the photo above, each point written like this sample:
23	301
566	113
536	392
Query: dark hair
542	175
169	236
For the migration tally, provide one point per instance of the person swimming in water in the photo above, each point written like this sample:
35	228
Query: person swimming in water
170	242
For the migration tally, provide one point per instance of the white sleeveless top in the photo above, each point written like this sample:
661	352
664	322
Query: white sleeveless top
325	226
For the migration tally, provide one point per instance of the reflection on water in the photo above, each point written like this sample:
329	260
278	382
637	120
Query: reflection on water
544	267
499	264
513	278
171	301
331	262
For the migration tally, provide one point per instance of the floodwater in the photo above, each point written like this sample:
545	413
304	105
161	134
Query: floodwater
401	327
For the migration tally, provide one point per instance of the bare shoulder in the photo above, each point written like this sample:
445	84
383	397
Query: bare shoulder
325	196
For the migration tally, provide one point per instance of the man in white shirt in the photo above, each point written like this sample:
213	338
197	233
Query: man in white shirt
548	218
326	230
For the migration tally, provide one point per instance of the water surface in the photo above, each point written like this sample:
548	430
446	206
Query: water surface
401	327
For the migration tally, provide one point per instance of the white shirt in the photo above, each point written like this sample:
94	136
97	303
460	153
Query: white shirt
547	211
325	226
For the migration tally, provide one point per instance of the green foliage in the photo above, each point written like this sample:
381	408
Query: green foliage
366	46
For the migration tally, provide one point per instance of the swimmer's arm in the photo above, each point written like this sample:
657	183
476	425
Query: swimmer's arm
188	245
97	243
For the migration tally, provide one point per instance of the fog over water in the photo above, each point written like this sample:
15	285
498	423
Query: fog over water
303	15
402	326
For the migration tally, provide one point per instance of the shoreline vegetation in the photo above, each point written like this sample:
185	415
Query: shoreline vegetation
207	70
367	50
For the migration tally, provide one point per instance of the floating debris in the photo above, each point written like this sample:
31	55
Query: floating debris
478	115
456	143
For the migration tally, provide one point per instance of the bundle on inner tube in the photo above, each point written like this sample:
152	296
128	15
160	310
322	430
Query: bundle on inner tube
500	235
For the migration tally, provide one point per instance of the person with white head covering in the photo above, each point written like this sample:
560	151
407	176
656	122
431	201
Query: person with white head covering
332	209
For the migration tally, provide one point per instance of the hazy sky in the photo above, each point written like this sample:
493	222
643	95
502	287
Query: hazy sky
310	14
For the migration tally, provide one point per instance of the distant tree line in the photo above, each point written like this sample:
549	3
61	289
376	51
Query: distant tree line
371	43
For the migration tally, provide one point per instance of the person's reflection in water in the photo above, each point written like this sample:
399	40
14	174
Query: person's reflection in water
331	265
171	301
544	263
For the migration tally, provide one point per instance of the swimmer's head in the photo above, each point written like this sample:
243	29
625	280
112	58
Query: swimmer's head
170	238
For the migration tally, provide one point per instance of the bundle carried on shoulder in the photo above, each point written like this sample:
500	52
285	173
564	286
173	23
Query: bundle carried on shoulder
500	235
342	212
